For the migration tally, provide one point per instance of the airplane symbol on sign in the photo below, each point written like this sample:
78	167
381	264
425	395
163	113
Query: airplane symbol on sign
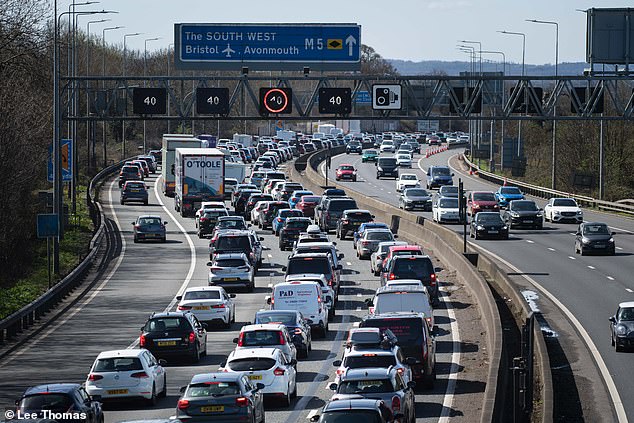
228	50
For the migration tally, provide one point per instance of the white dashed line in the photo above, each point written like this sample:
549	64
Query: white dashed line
358	308
619	248
348	263
530	241
270	285
389	192
270	256
610	278
572	258
358	295
591	267
551	249
629	290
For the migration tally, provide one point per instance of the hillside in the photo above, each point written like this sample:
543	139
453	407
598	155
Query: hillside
428	67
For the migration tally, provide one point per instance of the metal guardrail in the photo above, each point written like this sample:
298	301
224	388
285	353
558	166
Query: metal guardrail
15	323
542	192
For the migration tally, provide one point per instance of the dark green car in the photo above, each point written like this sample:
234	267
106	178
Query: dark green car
369	156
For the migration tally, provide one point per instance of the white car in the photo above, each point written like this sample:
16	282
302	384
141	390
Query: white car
133	373
257	209
445	209
563	210
277	188
268	366
266	335
209	304
387	146
404	160
407	180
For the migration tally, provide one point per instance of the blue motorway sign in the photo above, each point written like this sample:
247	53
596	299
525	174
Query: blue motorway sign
47	225
363	97
67	161
270	47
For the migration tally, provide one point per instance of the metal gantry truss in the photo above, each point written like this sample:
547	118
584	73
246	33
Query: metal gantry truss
473	97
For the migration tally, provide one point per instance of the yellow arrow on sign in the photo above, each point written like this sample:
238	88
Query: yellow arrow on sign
335	44
65	165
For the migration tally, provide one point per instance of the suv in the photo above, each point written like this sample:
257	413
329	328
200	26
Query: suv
129	173
174	333
414	337
250	203
350	220
265	335
356	410
418	267
386	166
331	209
208	220
438	176
354	146
314	263
289	233
369	242
238	242
287	189
134	191
268	214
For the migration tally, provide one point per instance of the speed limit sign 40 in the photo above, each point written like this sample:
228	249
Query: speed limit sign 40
149	101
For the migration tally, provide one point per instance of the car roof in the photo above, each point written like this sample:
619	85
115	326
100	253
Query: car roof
262	326
216	377
306	255
356	211
265	312
228	256
121	353
626	304
254	352
391	289
317	245
353	404
203	288
169	314
375	230
406	247
65	388
306	277
368	372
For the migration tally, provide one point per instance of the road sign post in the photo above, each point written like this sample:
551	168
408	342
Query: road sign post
48	227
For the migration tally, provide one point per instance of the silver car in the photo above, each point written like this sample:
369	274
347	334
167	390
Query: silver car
377	257
231	270
369	242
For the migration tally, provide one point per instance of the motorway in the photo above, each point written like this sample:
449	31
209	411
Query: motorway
146	277
590	287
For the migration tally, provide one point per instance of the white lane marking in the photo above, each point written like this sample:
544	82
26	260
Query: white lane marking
628	290
591	267
619	248
358	308
192	255
610	278
348	263
420	166
359	294
585	336
56	325
551	249
270	256
455	362
313	412
572	258
270	285
382	189
573	234
389	192
530	241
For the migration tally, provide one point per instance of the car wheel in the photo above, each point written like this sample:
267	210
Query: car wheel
145	203
227	324
136	240
195	356
163	240
617	347
475	235
121	202
294	393
152	400
612	339
200	235
581	251
251	287
303	353
163	393
286	401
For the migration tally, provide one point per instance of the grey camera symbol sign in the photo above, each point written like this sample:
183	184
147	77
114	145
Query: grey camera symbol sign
386	97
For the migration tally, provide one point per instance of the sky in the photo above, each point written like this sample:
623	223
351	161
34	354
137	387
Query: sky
397	29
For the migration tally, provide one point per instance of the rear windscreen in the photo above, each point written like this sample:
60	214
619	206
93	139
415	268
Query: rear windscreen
401	302
276	317
48	401
407	330
215	389
342	205
298	224
308	265
162	324
251	364
118	364
358	362
360	216
258	338
365	386
203	295
229	243
412	268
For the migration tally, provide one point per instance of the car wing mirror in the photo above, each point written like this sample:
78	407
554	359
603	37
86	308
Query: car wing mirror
411	384
209	264
315	418
235	341
612	319
339	267
204	325
182	389
133	223
368	302
395	236
578	233
340	256
293	362
437	269
410	361
261	238
613	233
179	297
267	299
284	268
232	295
336	363
332	386
96	398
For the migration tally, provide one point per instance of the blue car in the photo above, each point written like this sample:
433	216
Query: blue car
506	194
296	196
280	218
368	225
438	176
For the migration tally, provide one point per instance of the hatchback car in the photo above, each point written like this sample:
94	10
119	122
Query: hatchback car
622	326
369	156
208	220
506	194
377	257
523	213
280	219
134	191
449	191
231	270
563	210
356	410
296	196
269	366
307	204
297	327
481	201
415	198
419	267
274	335
346	172
174	333
407	180
446	210
488	225
404	160
350	221
438	176
289	233
129	173
149	227
594	237
221	397
209	304
370	241
354	146
60	398
131	373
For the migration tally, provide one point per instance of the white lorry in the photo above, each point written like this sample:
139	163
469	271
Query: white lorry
235	170
244	139
286	135
200	176
170	143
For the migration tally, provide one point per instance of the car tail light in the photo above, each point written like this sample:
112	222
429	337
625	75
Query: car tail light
137	226
433	279
242	401
428	321
139	375
279	219
282	340
365	243
279	371
298	331
192	337
340	372
93	377
142	341
392	276
396	404
203	219
183	404
400	370
241	339
218	306
183	308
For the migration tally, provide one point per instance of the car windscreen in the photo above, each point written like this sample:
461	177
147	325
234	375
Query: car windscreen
409	177
135	185
449	203
233	243
275	175
369	360
488	218
408	331
415	192
360	216
510	190
215	213
401	302
371	152
596	230
147	221
161	324
251	364
626	314
346	167
413	268
302	225
340	205
379	236
387	161
203	295
310	198
483	196
365	386
440	171
118	364
284	318
565	202
524	206
49	401
318	265
257	338
212	389
130	169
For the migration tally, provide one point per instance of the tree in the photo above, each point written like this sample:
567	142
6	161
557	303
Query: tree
373	64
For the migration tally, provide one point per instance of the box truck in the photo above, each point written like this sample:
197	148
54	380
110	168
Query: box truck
170	143
208	141
244	139
235	170
199	176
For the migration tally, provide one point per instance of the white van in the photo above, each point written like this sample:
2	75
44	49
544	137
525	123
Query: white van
399	299
305	297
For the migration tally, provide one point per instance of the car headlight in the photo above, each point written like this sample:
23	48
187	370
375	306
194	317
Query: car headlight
539	215
480	227
621	330
556	212
443	212
514	214
611	240
504	228
579	213
585	240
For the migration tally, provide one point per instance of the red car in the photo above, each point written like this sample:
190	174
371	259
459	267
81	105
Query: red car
307	204
346	171
478	201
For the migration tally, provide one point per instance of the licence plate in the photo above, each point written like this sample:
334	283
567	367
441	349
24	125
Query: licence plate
135	190
255	377
528	221
230	279
201	307
599	246
166	343
493	232
213	409
117	392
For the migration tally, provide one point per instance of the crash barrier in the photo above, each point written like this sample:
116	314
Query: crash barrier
542	192
28	315
448	246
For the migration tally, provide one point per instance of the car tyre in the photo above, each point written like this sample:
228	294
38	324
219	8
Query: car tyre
617	347
121	202
145	203
612	339
136	240
286	401
251	287
163	393
195	356
152	400
163	240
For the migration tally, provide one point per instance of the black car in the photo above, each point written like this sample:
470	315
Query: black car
254	198
174	333
354	147
241	200
419	267
594	237
415	198
523	213
60	398
289	233
386	166
622	326
129	173
134	191
298	328
207	222
350	221
415	339
488	225
331	209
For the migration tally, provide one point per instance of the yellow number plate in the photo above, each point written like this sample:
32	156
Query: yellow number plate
166	343
201	307
117	391
213	409
230	279
255	377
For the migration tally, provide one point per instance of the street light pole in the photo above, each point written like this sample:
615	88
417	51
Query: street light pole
553	182
103	86
144	84
125	91
90	146
169	49
519	124
491	156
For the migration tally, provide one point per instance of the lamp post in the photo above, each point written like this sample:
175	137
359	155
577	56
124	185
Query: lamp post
169	49
479	49
553	182
472	130
89	125
144	84
125	37
519	124
492	164
103	73
477	124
